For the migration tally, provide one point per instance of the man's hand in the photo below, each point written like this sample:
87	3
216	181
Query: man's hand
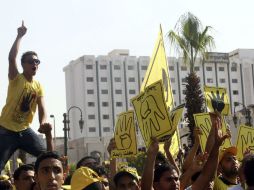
154	147
111	145
22	30
45	128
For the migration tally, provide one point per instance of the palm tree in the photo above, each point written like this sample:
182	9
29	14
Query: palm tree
192	41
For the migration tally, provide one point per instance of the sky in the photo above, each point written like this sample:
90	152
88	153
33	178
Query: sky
64	30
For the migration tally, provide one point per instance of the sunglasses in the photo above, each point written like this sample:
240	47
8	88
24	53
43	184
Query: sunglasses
33	61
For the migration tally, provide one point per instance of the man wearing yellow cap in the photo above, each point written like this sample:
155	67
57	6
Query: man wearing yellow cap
228	168
127	178
85	178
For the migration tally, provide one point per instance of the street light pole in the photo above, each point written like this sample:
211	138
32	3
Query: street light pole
66	128
52	116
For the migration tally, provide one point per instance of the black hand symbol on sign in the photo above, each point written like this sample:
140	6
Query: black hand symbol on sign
150	114
123	133
217	101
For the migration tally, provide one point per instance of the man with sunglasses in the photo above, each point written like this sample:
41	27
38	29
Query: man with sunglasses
24	95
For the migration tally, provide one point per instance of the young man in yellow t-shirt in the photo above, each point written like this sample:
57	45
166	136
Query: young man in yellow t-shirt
24	95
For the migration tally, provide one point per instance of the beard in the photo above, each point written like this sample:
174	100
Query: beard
232	172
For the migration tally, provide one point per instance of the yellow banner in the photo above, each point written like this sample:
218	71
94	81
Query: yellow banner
245	139
158	70
125	136
217	99
152	114
203	121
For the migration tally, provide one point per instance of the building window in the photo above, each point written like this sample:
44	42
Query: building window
221	69
222	80
103	67
104	79
174	91
183	68
132	91
236	104
172	80
92	129
234	81
106	129
131	79
91	116
209	69
118	91
117	67
90	91
89	79
117	79
184	80
119	104
143	67
104	91
89	67
196	68
235	92
105	116
234	69
209	80
130	67
104	104
91	104
171	68
184	92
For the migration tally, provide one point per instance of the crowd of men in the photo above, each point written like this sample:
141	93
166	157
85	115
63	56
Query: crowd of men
217	168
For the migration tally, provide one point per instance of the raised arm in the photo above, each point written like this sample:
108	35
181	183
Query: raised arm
148	175
13	70
112	164
211	165
170	158
193	151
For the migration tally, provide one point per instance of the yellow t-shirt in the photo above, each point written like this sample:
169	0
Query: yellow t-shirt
21	103
220	185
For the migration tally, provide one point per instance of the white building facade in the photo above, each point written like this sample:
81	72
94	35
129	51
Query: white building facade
103	86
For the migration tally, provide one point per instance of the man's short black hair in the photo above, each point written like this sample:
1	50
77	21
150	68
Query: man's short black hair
83	159
160	169
248	170
44	156
26	54
18	171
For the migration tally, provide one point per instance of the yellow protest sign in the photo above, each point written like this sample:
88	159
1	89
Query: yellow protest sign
245	139
125	136
203	121
217	99
158	70
152	115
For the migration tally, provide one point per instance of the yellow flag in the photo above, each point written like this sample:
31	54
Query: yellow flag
158	70
175	116
125	136
217	100
245	139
